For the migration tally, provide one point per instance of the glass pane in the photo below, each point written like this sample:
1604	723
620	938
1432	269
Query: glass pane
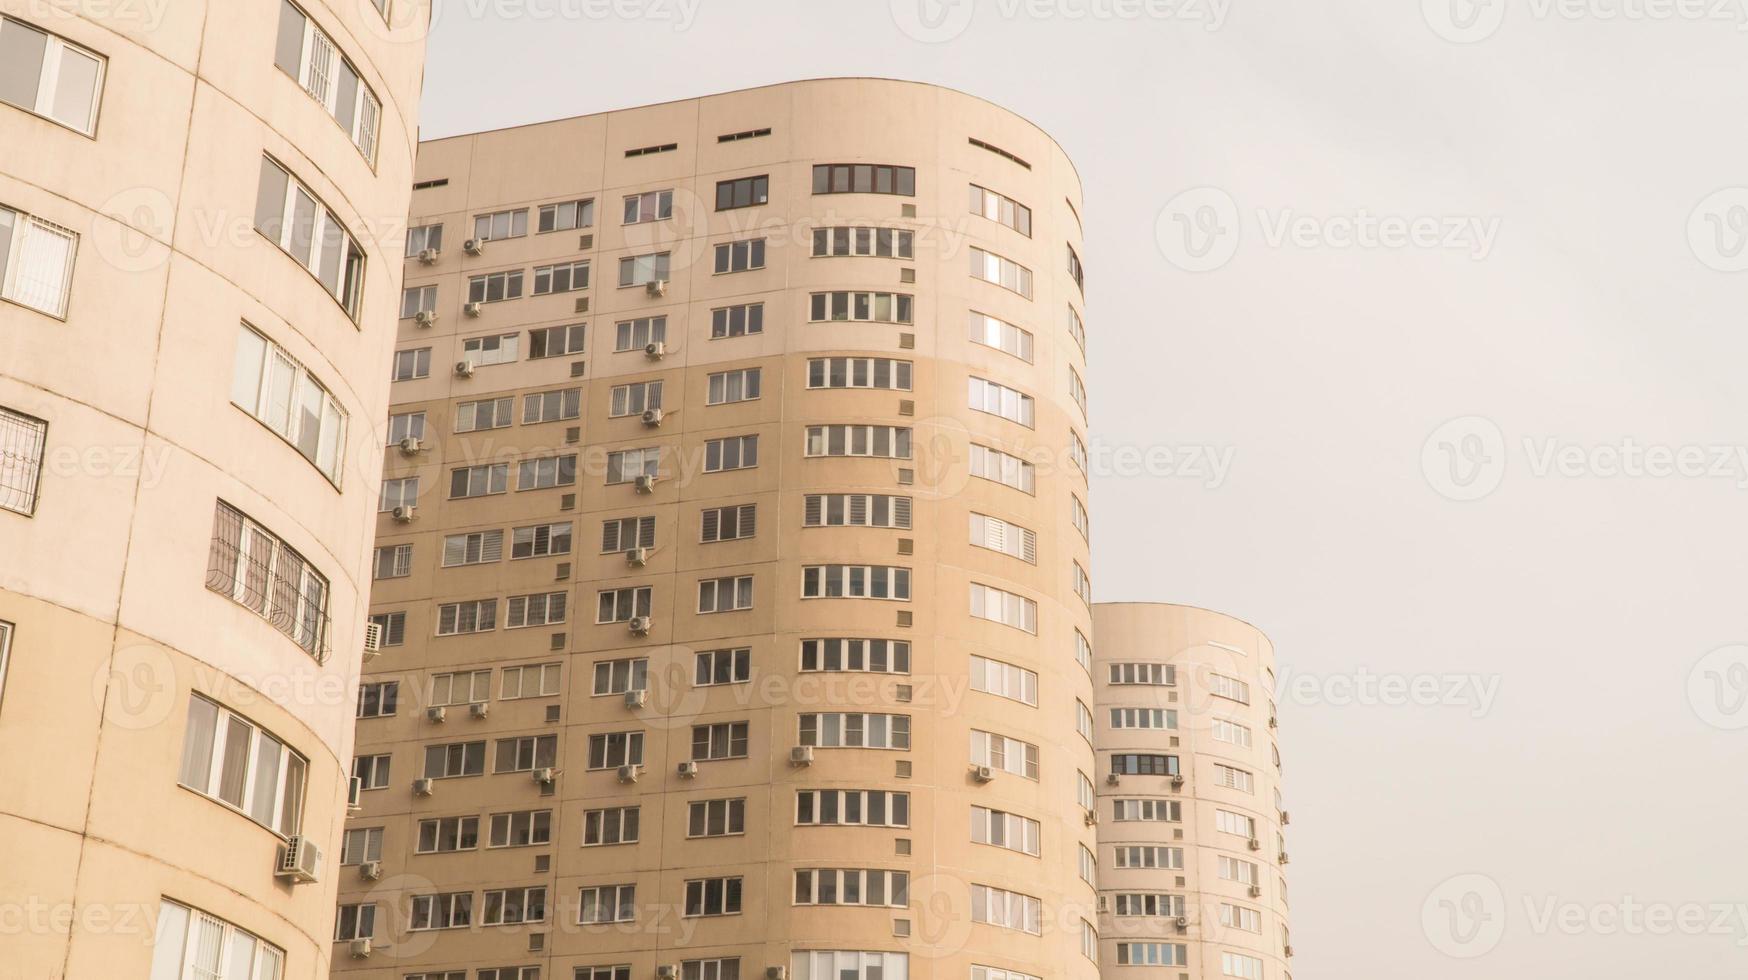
246	374
265	790
288	49
197	744
309	416
167	946
21	58
303	225
290	810
235	765
75	90
270	201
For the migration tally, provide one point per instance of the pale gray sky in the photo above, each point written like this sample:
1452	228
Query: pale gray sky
1573	290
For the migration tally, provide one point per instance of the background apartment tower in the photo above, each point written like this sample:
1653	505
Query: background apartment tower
195	333
1191	848
732	578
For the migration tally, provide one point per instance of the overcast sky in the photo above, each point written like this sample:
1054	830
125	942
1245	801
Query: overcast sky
1456	302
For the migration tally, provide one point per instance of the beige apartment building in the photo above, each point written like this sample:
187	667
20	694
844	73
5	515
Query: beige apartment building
1192	855
200	216
731	570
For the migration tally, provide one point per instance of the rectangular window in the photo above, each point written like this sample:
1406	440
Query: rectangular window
619	605
712	896
1146	719
1239	965
1008	830
716	667
856	510
418	299
716	818
996	973
1007	910
1083	719
627	465
476	548
520	828
556	341
851	808
566	216
254	568
855	582
1143	764
1004	607
607	903
1150	856
272	386
997	399
639	333
879	441
450	910
1082	584
732	386
860	306
360	844
1230	732
1001	209
731	453
1078	515
551	406
626	533
841	964
1083	654
1004	680
1236	824
540	540
610	750
863	240
455	760
1075	271
728	523
1077	390
443	835
852	886
853	730
22	441
477	616
740	256
863	178
726	968
730	594
1159	675
36	257
1152	954
479	481
291	216
1232	778
564	277
611	825
191	943
410	365
393	561
1150	903
859	372
633	399
1009	539
994	465
43	74
1000	271
500	224
742	192
1004	753
405	425
422	237
636	270
1230	688
530	681
541	609
649	206
403	492
737	321
495	287
1232	869
1001	335
726	740
1076	328
461	687
371	770
495	349
855	655
1159	811
544	474
526	754
231	760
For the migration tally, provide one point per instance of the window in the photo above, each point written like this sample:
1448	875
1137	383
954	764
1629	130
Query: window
508	972
567	216
1075	271
727	968
541	609
500	224
410	365
609	826
625	533
191	943
997	399
1159	719
393	561
858	372
1232	869
1232	778
1150	856
1002	210
639	333
731	453
280	393
851	730
1001	335
292	217
726	740
634	399
852	886
1143	764
851	807
540	540
361	844
1089	936
864	306
1082	584
371	770
1239	965
607	903
855	582
729	594
495	287
1076	328
856	510
479	481
520	828
22	440
880	441
1004	753
451	910
998	151
253	568
1004	680
443	835
1159	675
712	896
742	192
564	277
996	973
529	681
1009	539
619	605
619	676
1237	824
740	256
422	237
1083	790
1077	390
556	341
526	754
855	655
716	818
1009	830
863	178
622	972
1239	917
733	386
36	257
418	299
1004	607
377	699
1162	811
404	425
1230	688
1230	732
828	964
228	759
476	616
461	687
614	749
728	523
551	406
993	464
1007	910
1083	719
476	548
1152	954
496	349
713	667
455	760
1083	654
862	240
403	492
737	321
544	474
636	270
1002	272
50	77
444	974
628	464
648	206
311	58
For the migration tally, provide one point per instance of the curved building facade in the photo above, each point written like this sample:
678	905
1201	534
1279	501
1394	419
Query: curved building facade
732	582
200	212
1192	850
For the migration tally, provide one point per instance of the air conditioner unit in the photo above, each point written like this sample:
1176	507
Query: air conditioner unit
628	774
687	769
1177	780
355	793
636	698
637	556
666	972
656	287
424	786
425	318
639	625
1285	859
1255	844
411	446
479	709
1183	923
776	972
982	774
1274	722
464	369
1286	818
655	350
545	775
652	416
474	246
372	637
1113	779
438	714
300	860
1091	817
361	948
1287	950
370	870
472	309
801	755
644	483
428	255
1255	891
405	513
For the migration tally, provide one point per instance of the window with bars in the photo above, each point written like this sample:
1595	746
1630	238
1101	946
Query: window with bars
191	943
489	413
393	561
634	398
541	609
252	567
23	439
307	53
